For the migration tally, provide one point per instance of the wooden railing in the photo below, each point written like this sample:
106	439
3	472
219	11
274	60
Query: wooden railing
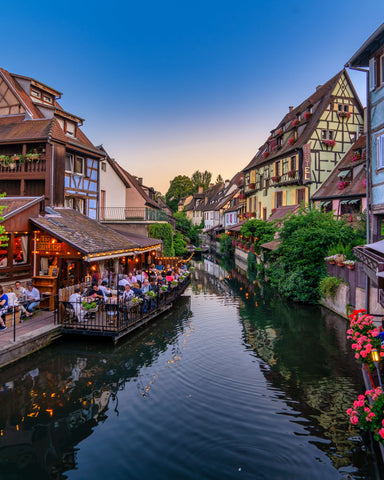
34	166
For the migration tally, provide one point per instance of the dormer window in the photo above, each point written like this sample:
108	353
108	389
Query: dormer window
70	128
47	99
35	93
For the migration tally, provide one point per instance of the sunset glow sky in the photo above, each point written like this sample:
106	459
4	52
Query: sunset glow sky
171	87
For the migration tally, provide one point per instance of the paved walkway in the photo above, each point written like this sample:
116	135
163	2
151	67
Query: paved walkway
32	334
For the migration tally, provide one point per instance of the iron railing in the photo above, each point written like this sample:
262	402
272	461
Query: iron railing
116	317
132	214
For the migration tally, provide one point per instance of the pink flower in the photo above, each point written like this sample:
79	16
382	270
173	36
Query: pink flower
355	420
381	432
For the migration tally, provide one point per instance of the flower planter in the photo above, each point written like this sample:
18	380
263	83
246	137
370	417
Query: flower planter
332	262
350	267
340	264
252	186
12	165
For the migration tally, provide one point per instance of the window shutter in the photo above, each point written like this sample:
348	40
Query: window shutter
284	198
253	176
274	169
372	73
273	199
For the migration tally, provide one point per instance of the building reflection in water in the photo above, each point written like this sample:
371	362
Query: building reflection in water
50	408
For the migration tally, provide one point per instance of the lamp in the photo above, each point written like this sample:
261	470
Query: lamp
376	359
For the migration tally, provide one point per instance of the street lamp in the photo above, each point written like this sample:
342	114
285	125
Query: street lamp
376	359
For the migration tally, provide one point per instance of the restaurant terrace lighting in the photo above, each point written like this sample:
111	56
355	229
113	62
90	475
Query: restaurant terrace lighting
376	359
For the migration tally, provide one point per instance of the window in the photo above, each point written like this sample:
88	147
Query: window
380	151
277	169
104	166
382	70
68	202
80	205
20	249
35	93
69	162
343	108
47	99
279	199
301	196
70	128
79	165
293	163
372	74
327	134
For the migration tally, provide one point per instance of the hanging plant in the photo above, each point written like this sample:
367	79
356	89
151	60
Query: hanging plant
32	157
295	122
291	141
329	143
344	114
307	115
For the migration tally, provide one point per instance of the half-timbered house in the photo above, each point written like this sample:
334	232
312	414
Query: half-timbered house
43	150
304	148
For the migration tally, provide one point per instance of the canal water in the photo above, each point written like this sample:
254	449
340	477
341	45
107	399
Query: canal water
233	383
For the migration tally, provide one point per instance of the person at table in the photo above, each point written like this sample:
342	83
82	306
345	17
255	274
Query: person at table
76	301
128	293
146	286
160	280
103	288
136	289
95	293
123	281
21	295
140	276
131	279
3	308
170	277
168	270
160	266
33	297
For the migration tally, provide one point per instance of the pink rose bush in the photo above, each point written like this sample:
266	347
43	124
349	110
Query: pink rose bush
364	336
368	413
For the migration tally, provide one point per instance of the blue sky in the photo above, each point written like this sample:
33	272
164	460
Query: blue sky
170	87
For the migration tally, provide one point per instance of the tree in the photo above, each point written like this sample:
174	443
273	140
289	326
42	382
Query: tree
179	244
186	227
165	233
201	179
305	237
180	186
219	179
258	231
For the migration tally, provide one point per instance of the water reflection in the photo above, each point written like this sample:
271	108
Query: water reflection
67	391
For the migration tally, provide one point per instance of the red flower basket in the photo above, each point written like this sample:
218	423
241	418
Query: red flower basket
291	141
265	154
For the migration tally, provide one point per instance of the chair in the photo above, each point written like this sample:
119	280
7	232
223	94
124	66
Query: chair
69	312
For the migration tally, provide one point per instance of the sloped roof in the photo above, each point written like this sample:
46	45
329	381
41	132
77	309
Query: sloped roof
15	127
83	233
365	52
272	245
15	205
357	187
139	240
319	100
282	212
236	227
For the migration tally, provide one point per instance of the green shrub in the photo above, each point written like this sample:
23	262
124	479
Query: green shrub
164	232
226	247
328	286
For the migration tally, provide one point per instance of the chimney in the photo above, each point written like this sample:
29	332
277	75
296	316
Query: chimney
226	183
201	189
290	108
140	180
318	86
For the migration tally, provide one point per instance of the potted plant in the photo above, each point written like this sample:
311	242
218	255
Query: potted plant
350	264
32	157
295	122
291	173
252	186
265	154
307	115
174	283
340	259
291	141
330	259
276	179
4	160
355	157
328	143
344	114
342	184
90	307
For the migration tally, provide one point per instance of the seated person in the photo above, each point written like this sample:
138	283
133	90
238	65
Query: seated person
169	278
96	293
13	301
128	294
140	277
103	288
131	279
33	297
160	266
136	289
160	280
3	308
123	281
146	286
76	301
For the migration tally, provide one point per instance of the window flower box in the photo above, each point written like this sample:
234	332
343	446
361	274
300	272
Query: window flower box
265	154
307	115
342	184
275	148
276	179
328	143
344	114
252	186
355	157
295	122
279	132
291	141
291	173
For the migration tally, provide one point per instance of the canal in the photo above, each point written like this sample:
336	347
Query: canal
233	383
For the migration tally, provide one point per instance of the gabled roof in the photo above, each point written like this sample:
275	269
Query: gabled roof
15	205
318	101
282	212
357	187
365	52
83	233
16	128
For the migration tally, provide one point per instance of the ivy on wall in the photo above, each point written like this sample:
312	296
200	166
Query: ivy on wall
164	232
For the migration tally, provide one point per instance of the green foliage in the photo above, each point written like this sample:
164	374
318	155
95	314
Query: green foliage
180	186
258	231
305	239
179	244
341	249
201	179
226	247
3	238
251	262
219	179
328	286
164	232
190	231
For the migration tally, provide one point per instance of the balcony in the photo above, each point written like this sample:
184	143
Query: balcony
17	168
132	214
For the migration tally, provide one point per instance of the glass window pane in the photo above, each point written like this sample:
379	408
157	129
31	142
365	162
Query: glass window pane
20	249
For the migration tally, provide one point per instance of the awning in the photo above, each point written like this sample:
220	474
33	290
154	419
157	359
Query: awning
354	201
325	204
343	173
